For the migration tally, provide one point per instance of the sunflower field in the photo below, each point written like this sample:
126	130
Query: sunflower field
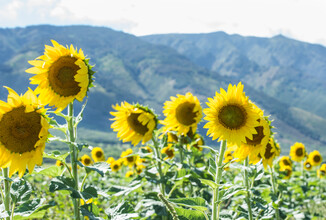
167	173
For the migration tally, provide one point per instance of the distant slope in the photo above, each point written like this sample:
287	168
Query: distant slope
294	72
131	69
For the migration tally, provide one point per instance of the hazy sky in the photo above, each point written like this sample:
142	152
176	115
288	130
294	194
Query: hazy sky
299	19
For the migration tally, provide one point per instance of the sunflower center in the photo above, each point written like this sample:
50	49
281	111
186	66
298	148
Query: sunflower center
288	172
286	162
98	154
185	113
299	152
323	172
268	154
19	131
87	161
130	159
232	116
61	76
169	152
317	158
115	167
136	125
256	138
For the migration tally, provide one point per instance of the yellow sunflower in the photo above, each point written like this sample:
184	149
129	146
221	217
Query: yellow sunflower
257	145
128	160
297	152
315	158
59	163
98	154
140	168
110	160
271	152
231	116
199	141
321	172
285	161
307	165
169	151
23	132
62	74
182	113
228	153
133	123
116	165
86	160
226	160
287	170
129	173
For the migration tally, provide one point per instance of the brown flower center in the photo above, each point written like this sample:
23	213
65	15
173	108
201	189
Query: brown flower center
317	158
185	113
99	154
256	138
115	167
299	152
135	125
87	161
61	76
268	154
169	152
19	131
232	116
288	172
286	162
130	159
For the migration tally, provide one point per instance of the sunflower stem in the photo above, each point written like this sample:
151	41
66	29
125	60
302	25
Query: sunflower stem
246	180
218	175
277	214
73	157
6	199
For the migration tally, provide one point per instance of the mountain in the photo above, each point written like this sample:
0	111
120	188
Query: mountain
132	69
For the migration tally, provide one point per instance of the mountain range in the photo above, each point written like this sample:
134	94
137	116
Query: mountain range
283	76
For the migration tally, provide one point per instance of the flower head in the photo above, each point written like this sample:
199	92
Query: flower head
297	152
24	131
86	160
98	154
315	158
62	75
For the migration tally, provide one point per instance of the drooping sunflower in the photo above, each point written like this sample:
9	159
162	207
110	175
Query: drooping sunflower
133	123
271	152
98	154
129	173
297	152
307	165
59	163
86	160
285	161
23	132
128	160
182	113
226	160
62	74
287	170
140	168
315	158
169	151
231	116
257	145
198	142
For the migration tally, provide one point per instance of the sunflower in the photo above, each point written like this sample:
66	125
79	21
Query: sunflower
128	160
169	151
321	172
287	171
228	153
297	152
133	123
23	132
182	113
59	163
129	173
140	168
86	160
116	165
307	165
98	154
147	149
110	160
198	142
315	158
62	74
257	145
226	160
285	161
231	116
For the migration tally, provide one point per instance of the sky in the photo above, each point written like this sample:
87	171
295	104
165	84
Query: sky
303	20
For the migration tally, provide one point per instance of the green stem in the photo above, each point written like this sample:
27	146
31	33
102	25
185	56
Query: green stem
219	169
246	180
83	182
274	191
6	200
73	157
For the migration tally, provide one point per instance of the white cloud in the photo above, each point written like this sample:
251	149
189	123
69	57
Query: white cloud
299	19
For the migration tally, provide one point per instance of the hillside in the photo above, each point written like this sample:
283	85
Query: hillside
129	68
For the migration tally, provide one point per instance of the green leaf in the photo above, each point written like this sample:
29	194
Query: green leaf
20	190
195	203
99	167
90	210
64	183
122	211
123	190
79	117
56	155
89	192
33	209
209	183
49	171
230	192
188	214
